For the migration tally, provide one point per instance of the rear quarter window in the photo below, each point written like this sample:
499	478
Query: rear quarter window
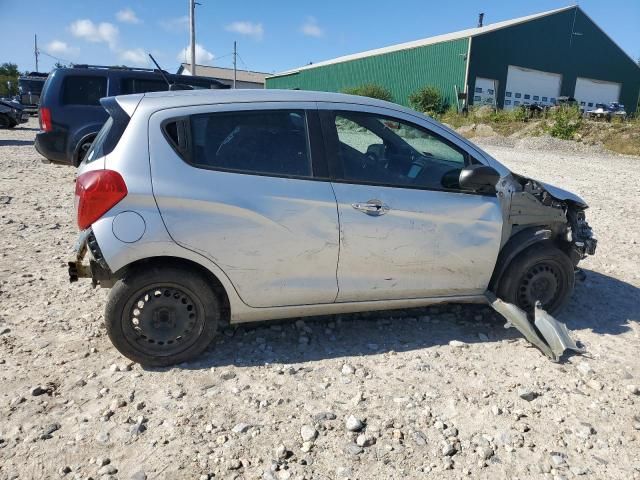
110	133
83	90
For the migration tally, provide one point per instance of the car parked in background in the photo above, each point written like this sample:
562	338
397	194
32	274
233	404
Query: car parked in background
12	113
607	112
70	112
204	208
29	90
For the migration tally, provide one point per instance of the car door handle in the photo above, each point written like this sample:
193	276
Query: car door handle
375	208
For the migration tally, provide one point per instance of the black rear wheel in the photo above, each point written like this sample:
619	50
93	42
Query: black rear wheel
541	273
82	151
162	316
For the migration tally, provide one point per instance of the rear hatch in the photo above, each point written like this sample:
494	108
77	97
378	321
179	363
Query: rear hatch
97	188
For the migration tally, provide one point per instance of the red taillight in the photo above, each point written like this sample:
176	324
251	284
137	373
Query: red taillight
45	119
97	192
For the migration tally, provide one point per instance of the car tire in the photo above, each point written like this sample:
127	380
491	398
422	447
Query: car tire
542	272
162	316
82	151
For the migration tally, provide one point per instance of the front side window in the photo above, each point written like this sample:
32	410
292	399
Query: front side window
391	152
273	142
83	90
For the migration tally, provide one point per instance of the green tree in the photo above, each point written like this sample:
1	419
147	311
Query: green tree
8	79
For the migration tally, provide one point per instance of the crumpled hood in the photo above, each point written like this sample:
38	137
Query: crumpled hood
562	194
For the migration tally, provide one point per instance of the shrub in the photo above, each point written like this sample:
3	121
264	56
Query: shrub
428	100
520	114
567	120
373	91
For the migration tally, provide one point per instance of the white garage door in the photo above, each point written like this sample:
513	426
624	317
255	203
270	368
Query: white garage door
526	86
485	92
589	92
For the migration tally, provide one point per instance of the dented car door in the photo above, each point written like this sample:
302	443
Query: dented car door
406	229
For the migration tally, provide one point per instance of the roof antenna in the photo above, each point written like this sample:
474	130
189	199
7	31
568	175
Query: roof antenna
170	86
161	71
480	20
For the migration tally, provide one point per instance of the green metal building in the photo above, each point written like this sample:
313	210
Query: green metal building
533	59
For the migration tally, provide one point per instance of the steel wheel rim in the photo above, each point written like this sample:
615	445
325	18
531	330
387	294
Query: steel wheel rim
163	319
542	282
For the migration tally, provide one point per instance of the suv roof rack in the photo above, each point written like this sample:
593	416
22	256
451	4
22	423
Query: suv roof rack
117	67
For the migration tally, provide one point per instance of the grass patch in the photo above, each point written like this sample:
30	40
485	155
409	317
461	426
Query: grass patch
566	123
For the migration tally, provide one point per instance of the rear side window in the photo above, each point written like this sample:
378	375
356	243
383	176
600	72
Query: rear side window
271	142
83	90
110	133
97	147
138	85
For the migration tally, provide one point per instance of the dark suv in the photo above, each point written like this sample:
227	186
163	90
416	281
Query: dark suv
70	112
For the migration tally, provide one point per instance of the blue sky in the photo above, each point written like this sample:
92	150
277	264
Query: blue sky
272	35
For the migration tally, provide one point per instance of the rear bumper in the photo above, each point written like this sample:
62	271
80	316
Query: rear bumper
97	269
52	146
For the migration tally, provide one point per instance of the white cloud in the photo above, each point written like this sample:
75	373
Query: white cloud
311	28
177	24
203	56
136	56
126	15
97	33
250	29
58	47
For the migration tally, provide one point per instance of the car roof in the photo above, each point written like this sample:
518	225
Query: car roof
183	98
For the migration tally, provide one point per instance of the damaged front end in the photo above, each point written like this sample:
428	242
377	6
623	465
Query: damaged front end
534	213
527	202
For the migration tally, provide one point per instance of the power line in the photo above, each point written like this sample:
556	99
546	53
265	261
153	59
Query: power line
243	63
55	58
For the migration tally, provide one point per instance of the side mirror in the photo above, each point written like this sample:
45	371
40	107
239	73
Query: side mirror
479	178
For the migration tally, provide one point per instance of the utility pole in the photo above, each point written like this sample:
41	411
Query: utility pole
235	62
36	51
192	31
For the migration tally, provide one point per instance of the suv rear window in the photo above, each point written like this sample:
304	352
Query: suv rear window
83	90
271	142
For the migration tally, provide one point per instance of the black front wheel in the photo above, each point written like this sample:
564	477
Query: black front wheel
541	273
162	316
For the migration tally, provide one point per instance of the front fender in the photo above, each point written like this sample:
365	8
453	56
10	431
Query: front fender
514	246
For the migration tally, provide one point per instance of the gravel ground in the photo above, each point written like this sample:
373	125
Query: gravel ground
439	393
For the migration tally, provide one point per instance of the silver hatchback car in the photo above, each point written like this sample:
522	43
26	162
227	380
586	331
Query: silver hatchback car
204	208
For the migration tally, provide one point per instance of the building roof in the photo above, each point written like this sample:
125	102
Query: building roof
224	73
470	32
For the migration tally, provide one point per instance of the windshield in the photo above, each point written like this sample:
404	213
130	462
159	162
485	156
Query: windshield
96	150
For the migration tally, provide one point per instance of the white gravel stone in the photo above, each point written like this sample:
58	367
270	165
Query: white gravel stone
353	424
308	433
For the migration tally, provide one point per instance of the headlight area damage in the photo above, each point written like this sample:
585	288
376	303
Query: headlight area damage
535	213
